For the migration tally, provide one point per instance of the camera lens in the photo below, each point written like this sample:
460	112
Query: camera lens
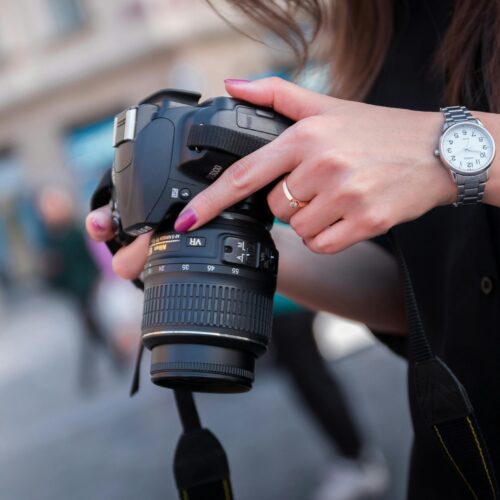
208	298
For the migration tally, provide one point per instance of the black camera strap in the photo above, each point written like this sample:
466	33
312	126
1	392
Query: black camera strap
444	404
201	468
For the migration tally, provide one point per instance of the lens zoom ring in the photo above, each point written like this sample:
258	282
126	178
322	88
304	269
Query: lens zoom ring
209	305
202	368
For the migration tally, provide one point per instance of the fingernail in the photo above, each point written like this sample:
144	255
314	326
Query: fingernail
236	81
185	220
97	225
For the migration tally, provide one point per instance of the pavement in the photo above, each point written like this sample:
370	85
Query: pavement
57	443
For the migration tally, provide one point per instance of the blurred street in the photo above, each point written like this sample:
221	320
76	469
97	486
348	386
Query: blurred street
58	444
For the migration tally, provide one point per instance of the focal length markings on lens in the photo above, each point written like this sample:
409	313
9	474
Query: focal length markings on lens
201	268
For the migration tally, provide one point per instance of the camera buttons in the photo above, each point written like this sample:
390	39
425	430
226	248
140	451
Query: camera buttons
185	194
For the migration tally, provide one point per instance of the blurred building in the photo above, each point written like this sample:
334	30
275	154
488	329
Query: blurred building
67	66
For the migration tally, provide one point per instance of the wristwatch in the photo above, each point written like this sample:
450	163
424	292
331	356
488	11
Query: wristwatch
467	149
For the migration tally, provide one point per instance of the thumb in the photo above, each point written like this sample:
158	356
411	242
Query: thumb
284	97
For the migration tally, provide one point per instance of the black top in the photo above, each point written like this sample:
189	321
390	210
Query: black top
453	255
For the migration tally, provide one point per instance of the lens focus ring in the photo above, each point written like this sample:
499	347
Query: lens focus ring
208	305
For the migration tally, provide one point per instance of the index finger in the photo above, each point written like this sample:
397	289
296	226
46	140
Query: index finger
244	177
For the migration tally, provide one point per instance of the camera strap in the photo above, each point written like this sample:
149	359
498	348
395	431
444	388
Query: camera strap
201	468
444	404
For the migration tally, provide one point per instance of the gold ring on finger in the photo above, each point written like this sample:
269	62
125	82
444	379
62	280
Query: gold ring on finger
293	202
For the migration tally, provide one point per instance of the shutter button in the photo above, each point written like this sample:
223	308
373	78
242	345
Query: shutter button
486	285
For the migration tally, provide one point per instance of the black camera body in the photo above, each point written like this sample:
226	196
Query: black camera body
208	293
169	148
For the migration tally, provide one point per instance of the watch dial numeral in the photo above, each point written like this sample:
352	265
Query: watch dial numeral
470	164
480	139
456	135
449	150
478	162
464	131
485	147
450	141
453	158
482	155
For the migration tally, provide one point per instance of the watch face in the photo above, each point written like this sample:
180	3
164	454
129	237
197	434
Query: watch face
467	148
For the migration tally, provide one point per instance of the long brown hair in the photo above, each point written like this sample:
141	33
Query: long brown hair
354	36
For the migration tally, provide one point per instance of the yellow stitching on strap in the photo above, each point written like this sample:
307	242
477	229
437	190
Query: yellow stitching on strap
185	495
454	463
483	460
227	493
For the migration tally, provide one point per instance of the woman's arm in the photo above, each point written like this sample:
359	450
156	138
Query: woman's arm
361	283
362	168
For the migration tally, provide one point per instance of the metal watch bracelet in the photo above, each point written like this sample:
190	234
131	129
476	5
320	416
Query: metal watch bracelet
470	188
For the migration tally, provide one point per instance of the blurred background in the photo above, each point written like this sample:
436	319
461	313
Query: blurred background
69	328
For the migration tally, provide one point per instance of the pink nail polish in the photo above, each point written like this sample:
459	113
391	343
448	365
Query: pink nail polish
185	220
99	228
235	81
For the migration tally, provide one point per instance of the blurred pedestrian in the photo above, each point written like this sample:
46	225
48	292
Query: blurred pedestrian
69	268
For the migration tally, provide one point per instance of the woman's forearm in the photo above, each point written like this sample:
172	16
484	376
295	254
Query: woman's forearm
360	283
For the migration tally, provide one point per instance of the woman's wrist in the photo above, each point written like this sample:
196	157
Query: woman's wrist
447	184
441	182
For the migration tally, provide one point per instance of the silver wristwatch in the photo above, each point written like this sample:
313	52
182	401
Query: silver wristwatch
467	149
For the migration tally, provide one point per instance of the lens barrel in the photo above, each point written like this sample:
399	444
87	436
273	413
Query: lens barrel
208	298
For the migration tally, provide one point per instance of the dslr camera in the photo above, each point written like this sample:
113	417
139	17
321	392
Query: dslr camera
208	294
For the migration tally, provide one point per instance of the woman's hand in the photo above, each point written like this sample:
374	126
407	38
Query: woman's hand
362	168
